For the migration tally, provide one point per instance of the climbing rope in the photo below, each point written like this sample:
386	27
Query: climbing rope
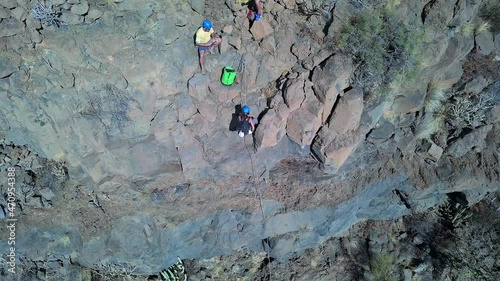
254	178
243	89
243	98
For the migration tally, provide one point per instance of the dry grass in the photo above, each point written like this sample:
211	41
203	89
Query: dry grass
436	95
430	126
482	27
467	29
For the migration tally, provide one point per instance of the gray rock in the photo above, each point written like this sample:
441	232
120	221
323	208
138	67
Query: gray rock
383	131
198	6
293	93
152	158
272	126
4	13
10	26
347	115
268	44
198	86
80	9
235	41
9	4
23	3
19	13
475	139
9	63
477	85
71	18
412	101
93	14
261	29
484	41
185	107
228	29
47	193
330	80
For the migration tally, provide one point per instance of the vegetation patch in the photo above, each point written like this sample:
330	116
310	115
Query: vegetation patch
385	46
491	13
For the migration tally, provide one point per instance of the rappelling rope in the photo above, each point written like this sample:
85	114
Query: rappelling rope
261	208
241	71
243	98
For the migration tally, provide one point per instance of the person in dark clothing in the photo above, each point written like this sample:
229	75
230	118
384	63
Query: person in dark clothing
246	123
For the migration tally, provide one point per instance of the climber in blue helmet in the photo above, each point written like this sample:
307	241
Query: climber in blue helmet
205	40
246	123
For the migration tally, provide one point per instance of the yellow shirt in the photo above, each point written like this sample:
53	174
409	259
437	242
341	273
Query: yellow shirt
203	37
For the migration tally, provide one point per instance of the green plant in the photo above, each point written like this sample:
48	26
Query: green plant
491	12
385	46
381	267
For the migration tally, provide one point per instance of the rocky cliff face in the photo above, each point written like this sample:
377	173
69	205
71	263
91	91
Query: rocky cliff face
125	153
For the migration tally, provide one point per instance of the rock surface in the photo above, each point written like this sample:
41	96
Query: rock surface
126	155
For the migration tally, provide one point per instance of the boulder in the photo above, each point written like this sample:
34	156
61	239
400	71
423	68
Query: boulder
301	126
272	125
293	93
429	150
261	29
9	4
24	3
301	50
9	63
268	44
19	13
334	143
493	115
71	18
290	4
10	26
474	140
435	152
234	41
4	13
198	6
234	6
93	14
228	29
411	101
347	114
80	9
382	131
330	79
477	85
485	43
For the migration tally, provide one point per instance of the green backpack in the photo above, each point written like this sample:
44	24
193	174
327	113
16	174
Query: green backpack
228	76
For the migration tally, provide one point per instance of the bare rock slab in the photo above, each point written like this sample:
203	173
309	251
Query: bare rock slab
261	29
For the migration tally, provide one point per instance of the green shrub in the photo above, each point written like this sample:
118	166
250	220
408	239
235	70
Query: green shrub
383	44
381	268
491	13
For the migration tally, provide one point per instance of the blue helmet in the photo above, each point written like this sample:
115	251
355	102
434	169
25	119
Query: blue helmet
246	109
207	24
